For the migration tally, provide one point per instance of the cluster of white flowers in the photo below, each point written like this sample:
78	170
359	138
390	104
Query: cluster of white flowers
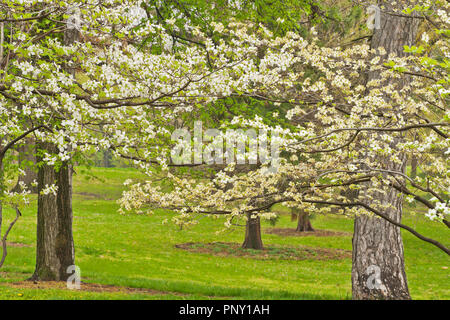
50	189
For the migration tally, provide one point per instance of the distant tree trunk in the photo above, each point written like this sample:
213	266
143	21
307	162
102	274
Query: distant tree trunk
55	248
304	222
27	160
293	216
106	155
377	244
414	163
253	234
106	162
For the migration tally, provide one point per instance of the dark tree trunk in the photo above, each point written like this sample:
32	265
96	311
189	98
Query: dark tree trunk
293	216
304	222
106	155
377	244
106	161
413	167
55	248
27	161
253	234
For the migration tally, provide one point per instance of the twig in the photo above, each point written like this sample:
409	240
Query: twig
5	236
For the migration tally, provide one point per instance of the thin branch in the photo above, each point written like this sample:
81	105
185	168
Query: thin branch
23	135
400	129
30	18
376	212
5	237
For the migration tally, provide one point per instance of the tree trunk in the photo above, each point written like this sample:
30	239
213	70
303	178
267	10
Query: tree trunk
378	269
55	248
106	155
304	223
293	216
106	160
303	220
253	234
414	163
27	160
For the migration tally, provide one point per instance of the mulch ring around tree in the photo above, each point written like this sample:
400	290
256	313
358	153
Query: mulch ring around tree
17	245
226	249
290	232
88	287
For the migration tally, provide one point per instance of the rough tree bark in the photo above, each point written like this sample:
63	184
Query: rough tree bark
55	248
253	238
377	244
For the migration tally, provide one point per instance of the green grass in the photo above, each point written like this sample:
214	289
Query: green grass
138	251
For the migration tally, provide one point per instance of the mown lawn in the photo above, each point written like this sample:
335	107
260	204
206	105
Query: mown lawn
139	252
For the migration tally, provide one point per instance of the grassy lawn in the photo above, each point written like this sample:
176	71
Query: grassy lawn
139	252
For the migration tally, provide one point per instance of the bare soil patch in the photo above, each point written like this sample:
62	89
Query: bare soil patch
290	232
226	249
10	275
17	244
89	195
89	287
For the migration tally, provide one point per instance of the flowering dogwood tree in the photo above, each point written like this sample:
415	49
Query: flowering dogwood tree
358	117
91	74
79	76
